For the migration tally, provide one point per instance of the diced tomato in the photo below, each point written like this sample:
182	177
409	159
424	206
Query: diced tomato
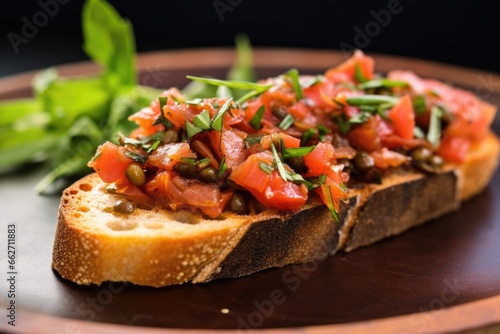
269	189
216	210
385	158
168	155
136	195
347	69
298	110
365	136
318	160
453	149
333	185
111	163
403	117
159	183
288	141
231	147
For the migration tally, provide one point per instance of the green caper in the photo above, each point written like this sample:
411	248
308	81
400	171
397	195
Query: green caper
436	161
135	174
297	164
363	162
238	204
208	175
234	185
185	170
124	206
421	154
171	136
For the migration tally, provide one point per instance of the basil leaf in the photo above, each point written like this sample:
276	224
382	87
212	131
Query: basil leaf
293	74
12	111
293	152
109	40
136	157
222	167
358	74
223	92
434	132
268	169
382	83
191	129
279	164
217	120
202	120
419	105
287	122
256	120
371	100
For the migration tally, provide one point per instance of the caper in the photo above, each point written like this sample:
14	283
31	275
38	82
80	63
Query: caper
170	137
124	206
208	175
363	162
135	174
234	185
185	170
297	164
436	161
421	154
238	204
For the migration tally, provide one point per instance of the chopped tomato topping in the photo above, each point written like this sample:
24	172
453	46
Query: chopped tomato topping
318	160
111	163
345	72
403	118
454	149
168	155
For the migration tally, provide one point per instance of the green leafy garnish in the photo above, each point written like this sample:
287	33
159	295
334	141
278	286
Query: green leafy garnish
192	129
294	152
222	167
268	169
279	164
189	161
294	76
358	74
419	105
202	120
256	120
372	100
434	133
217	120
327	193
286	122
162	119
382	83
136	157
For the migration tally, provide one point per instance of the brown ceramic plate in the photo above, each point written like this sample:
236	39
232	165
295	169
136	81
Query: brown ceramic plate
440	277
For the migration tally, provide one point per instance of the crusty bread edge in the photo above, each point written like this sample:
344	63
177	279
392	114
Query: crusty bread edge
87	257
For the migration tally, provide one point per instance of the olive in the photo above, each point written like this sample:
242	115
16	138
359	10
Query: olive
170	137
185	170
363	162
135	174
124	206
421	154
208	175
297	164
238	204
436	161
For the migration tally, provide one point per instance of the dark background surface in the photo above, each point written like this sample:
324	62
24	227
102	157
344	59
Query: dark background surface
461	33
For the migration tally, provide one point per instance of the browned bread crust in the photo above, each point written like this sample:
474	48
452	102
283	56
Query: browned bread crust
159	247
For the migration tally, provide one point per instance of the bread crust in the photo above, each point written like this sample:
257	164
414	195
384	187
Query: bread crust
160	247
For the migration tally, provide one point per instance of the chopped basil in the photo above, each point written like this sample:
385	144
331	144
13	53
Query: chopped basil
189	161
312	81
192	129
308	134
322	131
154	146
223	92
279	164
286	122
232	83
358	74
253	138
222	167
268	169
194	101
294	76
162	119
136	157
370	99
296	152
434	133
418	133
382	83
256	120
360	118
202	120
343	123
419	105
217	120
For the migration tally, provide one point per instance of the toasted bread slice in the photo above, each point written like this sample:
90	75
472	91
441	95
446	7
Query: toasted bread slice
161	247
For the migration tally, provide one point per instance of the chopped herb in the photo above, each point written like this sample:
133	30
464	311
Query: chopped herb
434	133
343	123
205	162
418	133
232	83
286	122
154	146
256	120
309	82
419	105
358	74
202	120
136	157
308	134
192	129
222	167
194	101
217	120
189	161
279	164
293	75
162	119
360	118
322	131
223	92
372	100
253	138
268	169
382	83
327	193
296	152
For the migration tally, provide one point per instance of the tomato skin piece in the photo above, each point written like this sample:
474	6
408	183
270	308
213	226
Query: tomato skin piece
453	149
288	141
403	117
269	189
231	147
346	70
318	160
365	136
168	155
111	163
